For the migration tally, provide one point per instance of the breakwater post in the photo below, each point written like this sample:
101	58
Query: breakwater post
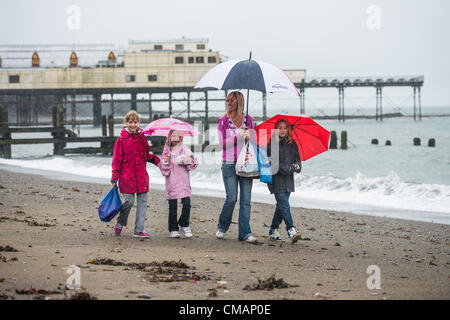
333	140
4	132
344	140
58	135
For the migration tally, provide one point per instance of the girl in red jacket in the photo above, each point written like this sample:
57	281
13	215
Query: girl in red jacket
129	169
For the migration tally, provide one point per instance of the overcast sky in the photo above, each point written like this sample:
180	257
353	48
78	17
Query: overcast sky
325	37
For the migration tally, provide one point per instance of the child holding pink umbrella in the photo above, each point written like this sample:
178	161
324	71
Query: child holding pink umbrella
177	161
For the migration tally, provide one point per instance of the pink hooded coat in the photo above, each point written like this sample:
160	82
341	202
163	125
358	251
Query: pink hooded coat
178	184
129	164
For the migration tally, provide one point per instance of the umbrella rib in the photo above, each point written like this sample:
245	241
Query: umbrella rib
309	133
301	146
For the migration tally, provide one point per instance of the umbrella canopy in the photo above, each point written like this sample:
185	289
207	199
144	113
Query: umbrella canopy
311	138
248	74
162	127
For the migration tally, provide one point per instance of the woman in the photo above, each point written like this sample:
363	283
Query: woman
233	132
283	167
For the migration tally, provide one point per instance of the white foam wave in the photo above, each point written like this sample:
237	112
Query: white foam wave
387	191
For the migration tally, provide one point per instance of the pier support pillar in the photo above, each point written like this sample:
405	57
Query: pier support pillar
189	106
97	109
133	101
302	100
341	115
379	104
170	104
206	126
73	118
150	111
420	106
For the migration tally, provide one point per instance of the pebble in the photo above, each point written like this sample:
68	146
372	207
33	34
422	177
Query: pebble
226	262
144	296
345	290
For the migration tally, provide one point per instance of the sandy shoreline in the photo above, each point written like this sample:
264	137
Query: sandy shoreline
54	224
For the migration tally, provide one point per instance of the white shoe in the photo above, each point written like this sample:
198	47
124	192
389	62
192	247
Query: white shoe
294	235
251	239
220	234
174	234
186	231
275	235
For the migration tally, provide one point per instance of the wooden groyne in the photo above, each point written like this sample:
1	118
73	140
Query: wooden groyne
60	136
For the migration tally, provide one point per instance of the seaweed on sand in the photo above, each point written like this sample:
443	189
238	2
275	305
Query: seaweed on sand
269	284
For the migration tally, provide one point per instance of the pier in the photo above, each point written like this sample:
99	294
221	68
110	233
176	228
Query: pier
155	78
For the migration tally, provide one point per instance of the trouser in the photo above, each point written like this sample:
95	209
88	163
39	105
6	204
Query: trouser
140	210
185	213
231	181
282	212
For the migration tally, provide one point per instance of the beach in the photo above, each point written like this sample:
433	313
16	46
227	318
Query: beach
54	224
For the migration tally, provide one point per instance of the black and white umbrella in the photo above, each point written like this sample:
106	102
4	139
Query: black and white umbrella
248	74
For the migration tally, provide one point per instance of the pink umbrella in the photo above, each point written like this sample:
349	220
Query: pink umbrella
161	127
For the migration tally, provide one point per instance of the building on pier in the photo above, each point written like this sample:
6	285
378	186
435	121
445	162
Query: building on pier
145	64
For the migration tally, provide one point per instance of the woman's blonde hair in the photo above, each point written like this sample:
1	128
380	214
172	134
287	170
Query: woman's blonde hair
240	102
289	134
132	114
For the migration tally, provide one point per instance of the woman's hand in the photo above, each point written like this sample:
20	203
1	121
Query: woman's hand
166	159
244	133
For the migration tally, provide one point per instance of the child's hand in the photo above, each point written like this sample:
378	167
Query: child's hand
113	183
185	159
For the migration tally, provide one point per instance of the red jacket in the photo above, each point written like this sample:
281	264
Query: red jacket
129	164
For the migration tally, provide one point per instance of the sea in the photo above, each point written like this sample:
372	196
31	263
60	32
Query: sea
400	181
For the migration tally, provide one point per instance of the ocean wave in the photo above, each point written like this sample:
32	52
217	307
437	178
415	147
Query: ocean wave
388	191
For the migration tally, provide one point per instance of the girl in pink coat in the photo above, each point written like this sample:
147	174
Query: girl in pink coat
129	169
176	162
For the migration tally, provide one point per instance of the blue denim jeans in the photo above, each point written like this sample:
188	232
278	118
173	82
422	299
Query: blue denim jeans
231	182
282	212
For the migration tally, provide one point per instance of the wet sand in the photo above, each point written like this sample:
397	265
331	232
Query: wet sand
54	224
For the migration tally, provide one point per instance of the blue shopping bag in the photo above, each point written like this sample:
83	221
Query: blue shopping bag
265	170
110	205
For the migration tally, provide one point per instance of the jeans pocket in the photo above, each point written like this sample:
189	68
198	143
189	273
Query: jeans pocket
228	170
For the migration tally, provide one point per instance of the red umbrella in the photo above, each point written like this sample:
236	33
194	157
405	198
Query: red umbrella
311	138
